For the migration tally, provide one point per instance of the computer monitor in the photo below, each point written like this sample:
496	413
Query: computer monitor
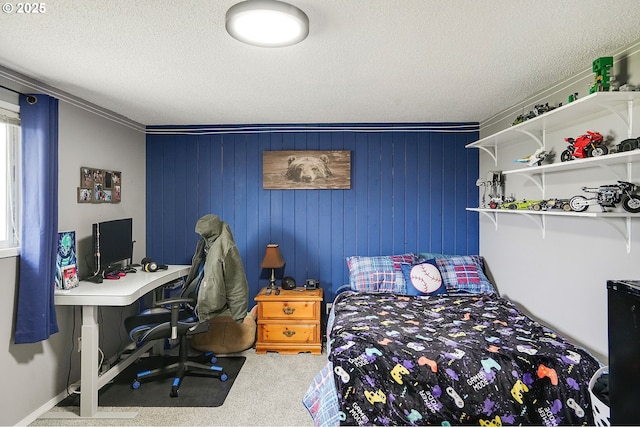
112	243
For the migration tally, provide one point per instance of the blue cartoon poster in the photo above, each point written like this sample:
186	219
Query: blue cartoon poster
66	265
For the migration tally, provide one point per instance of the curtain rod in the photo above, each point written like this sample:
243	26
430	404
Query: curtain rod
11	90
30	98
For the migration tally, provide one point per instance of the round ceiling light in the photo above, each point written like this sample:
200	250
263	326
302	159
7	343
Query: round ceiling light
267	23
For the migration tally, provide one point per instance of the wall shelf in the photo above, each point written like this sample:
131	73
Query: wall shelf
599	104
619	166
619	104
620	221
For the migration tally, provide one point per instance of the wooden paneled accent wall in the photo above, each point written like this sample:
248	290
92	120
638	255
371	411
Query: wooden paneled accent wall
410	185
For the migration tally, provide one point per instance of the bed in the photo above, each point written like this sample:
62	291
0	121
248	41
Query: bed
459	354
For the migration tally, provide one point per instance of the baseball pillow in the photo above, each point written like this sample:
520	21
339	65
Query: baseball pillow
423	279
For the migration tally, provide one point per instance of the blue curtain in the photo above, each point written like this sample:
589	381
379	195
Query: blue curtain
36	314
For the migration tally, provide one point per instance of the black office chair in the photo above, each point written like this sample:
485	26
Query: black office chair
174	319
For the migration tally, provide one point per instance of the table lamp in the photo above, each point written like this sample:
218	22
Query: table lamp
272	259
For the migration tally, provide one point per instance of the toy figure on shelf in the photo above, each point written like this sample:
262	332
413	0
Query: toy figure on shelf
601	67
608	196
495	185
536	158
590	144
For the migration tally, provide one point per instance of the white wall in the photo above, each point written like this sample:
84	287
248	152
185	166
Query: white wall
34	374
561	279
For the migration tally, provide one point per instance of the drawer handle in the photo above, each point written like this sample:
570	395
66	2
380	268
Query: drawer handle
288	333
288	310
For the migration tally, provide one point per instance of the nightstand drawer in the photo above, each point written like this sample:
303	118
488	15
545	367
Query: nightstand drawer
287	333
289	310
289	321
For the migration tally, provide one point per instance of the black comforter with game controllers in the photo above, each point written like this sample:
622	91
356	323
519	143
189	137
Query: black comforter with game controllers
477	359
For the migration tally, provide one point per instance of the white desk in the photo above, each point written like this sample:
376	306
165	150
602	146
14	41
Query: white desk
90	296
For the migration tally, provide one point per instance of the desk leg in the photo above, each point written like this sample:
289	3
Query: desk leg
89	361
90	382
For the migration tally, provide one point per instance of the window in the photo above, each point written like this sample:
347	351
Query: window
9	178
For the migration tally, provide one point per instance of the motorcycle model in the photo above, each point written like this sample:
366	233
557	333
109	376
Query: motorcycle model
590	144
608	196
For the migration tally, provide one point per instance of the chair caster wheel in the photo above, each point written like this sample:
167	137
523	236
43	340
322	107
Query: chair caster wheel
224	377
174	393
135	385
213	360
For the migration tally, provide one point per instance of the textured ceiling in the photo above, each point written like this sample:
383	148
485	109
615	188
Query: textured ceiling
172	62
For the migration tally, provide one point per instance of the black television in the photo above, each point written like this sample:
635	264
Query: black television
112	243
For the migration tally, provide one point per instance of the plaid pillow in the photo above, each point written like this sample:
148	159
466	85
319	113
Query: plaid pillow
464	274
378	273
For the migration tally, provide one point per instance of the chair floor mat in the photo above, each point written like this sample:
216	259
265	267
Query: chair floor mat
195	391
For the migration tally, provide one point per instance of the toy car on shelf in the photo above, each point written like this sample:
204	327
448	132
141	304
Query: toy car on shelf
549	204
591	144
607	196
628	144
628	88
521	204
499	202
538	109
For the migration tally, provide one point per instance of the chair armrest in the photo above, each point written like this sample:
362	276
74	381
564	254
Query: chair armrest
175	304
172	301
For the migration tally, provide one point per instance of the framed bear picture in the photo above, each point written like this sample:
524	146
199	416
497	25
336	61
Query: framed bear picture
306	170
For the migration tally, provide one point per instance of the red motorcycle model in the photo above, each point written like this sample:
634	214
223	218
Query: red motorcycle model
590	144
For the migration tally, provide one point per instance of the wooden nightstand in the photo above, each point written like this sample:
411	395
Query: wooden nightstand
289	323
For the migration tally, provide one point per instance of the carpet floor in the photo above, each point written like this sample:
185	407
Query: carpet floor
195	391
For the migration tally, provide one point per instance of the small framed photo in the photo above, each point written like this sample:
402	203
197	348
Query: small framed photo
84	195
117	194
98	177
108	178
98	193
86	177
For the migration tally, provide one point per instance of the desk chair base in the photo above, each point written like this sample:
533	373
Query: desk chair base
180	369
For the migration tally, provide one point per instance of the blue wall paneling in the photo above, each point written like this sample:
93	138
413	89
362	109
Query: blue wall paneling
410	185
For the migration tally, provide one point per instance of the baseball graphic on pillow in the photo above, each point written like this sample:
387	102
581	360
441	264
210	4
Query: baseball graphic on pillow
425	277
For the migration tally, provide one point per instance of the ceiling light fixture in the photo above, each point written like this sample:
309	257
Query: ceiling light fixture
267	23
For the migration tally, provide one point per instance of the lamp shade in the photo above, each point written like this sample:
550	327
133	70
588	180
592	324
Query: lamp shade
267	23
272	257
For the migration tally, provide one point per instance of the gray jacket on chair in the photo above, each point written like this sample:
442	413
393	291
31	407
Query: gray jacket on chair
224	288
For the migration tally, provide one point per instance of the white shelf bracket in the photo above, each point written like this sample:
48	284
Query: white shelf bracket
492	152
492	217
622	176
539	182
627	120
624	231
630	115
612	171
540	221
537	138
